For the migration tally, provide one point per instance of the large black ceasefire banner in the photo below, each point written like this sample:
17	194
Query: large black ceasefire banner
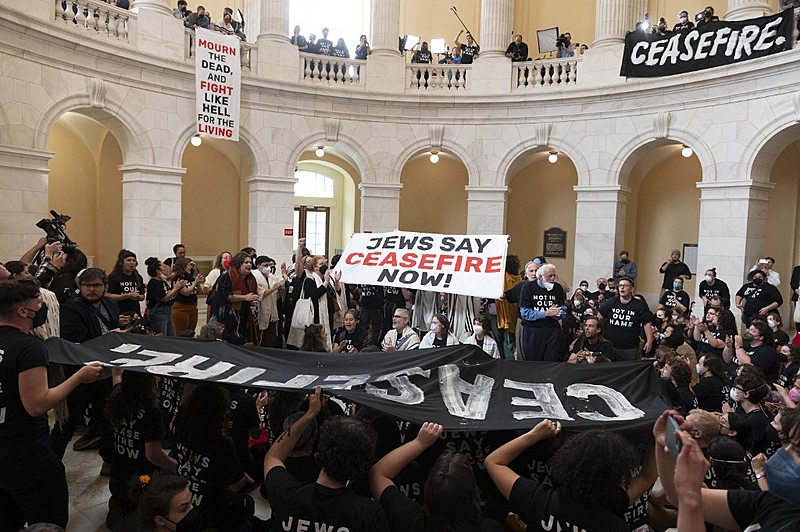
459	387
714	44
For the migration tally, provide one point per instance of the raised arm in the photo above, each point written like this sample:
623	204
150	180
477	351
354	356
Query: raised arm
382	474
287	441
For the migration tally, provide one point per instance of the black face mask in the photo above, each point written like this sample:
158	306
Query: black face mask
758	281
657	321
323	269
191	522
601	286
41	316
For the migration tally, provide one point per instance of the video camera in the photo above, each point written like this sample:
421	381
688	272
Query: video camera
561	42
54	228
700	16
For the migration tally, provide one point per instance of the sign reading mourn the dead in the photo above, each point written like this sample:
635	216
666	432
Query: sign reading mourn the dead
218	74
460	387
714	44
457	264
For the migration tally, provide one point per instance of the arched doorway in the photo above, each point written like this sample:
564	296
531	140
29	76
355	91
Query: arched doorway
434	198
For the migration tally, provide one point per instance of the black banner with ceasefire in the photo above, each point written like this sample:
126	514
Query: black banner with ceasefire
712	45
459	387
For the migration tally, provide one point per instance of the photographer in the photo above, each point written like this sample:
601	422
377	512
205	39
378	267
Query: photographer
660	29
706	16
51	260
517	50
565	46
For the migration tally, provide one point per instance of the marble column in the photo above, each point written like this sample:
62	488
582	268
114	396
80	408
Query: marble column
746	9
486	210
380	206
497	20
23	198
613	18
599	229
273	20
385	22
151	208
156	28
733	223
271	211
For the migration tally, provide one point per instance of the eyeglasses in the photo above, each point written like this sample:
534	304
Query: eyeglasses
95	286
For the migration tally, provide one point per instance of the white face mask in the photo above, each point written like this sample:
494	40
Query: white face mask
708	278
577	302
734	394
477	329
548	286
771	323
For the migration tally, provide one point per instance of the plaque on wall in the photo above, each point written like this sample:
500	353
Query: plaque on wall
555	243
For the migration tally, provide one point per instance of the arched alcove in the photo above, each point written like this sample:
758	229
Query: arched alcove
433	198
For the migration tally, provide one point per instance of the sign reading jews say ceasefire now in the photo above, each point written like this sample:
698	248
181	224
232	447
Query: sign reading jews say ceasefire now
472	265
218	75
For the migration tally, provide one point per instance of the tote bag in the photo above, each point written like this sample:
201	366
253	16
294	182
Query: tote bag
302	316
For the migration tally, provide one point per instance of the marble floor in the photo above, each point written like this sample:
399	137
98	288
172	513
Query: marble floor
88	492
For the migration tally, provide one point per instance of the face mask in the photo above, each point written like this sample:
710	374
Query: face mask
40	317
708	278
747	336
677	286
191	522
323	269
734	394
794	395
576	303
699	369
435	328
658	321
771	323
602	286
548	286
584	287
477	329
758	281
675	317
783	476
683	20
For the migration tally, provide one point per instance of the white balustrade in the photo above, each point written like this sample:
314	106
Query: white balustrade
95	17
331	70
436	77
546	73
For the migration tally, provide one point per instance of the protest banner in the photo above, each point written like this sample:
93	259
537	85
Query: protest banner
711	45
459	387
472	265
218	75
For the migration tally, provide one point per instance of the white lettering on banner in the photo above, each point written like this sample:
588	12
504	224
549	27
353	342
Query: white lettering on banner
126	348
410	394
622	408
158	359
708	44
218	79
188	369
243	376
452	387
349	381
544	398
456	264
299	382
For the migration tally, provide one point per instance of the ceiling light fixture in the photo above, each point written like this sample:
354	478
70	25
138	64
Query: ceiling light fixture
686	151
320	151
434	156
553	157
196	141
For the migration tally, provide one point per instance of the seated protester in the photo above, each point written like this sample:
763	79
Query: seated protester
676	299
452	502
481	336
315	339
790	360
439	334
779	336
591	341
345	451
675	338
138	428
775	509
592	471
579	305
164	502
759	352
714	386
749	390
730	465
209	460
243	423
400	337
679	373
711	333
301	462
352	337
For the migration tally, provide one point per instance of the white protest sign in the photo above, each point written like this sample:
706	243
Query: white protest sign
471	265
218	75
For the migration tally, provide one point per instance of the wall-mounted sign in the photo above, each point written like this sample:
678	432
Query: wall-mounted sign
555	243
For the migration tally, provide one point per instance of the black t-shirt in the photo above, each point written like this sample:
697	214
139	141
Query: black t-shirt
539	298
519	52
719	288
766	359
703	347
298	40
786	378
671	297
394	295
763	508
422	56
156	291
759	441
673	270
324	45
298	506
210	472
406	515
125	284
242	418
371	296
623	321
191	299
711	392
779	338
546	509
468	53
18	353
605	348
357	339
758	297
129	457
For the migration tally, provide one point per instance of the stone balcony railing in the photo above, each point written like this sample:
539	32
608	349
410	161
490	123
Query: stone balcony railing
248	50
545	73
330	70
96	16
436	77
